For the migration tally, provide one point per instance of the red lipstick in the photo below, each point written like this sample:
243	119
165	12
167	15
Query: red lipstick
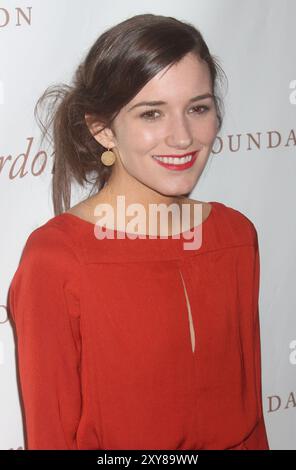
173	165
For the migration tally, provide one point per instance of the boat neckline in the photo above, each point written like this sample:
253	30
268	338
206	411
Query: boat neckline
142	235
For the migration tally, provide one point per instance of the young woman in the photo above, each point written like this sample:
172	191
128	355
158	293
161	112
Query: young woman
125	338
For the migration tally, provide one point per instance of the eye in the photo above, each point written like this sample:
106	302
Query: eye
206	108
150	115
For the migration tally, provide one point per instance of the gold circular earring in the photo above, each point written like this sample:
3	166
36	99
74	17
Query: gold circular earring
108	157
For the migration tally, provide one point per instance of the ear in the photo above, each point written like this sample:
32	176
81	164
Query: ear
103	136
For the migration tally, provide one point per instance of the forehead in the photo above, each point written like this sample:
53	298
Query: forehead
188	77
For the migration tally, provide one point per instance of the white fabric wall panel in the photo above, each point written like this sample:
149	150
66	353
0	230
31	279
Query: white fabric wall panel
42	43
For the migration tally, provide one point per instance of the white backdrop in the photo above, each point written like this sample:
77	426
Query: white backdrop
252	169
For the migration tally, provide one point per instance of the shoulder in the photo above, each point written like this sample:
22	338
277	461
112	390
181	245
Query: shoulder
49	267
53	245
236	223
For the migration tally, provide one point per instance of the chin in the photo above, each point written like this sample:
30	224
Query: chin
176	192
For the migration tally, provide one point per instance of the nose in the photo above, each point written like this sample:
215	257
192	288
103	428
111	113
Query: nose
180	135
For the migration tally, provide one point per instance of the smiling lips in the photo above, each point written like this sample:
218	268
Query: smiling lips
176	162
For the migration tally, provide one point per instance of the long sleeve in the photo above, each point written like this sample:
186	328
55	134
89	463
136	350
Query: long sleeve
259	437
44	306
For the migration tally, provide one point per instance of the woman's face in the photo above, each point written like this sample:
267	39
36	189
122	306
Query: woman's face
177	127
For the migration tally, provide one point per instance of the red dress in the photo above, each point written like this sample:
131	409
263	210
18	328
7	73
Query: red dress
140	344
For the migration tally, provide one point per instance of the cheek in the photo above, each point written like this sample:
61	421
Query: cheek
140	138
148	135
206	130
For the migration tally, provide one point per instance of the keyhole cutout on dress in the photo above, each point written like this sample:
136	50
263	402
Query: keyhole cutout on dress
191	326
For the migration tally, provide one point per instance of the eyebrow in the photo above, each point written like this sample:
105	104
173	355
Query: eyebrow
159	103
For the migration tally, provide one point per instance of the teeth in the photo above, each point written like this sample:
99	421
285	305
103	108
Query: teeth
174	160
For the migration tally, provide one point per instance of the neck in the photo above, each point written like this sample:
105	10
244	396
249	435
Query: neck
121	194
120	183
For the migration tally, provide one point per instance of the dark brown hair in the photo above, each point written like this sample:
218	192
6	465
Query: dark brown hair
117	66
